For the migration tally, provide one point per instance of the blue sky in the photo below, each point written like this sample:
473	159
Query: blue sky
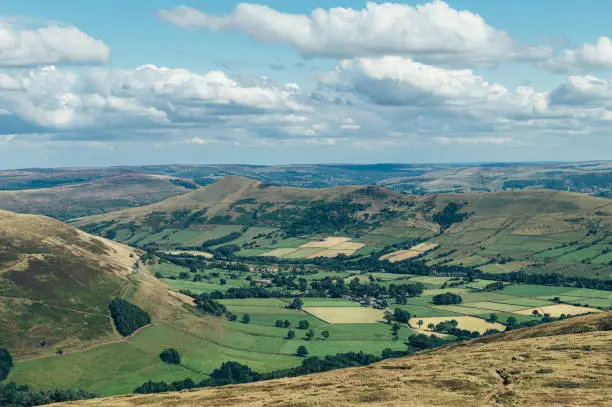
269	82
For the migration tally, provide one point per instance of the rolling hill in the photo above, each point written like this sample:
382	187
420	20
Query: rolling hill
563	363
539	230
76	197
56	283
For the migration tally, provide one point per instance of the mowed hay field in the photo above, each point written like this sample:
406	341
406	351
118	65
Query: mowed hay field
558	309
346	315
465	322
328	247
414	251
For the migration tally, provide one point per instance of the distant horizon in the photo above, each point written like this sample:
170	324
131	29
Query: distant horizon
454	164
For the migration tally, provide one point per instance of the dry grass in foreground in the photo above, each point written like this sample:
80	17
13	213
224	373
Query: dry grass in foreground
564	363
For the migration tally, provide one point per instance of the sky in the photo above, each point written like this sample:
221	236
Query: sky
283	82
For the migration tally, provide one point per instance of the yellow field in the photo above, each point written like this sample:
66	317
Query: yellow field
558	309
280	252
354	246
424	247
415	251
328	243
192	252
346	315
469	323
402	255
331	253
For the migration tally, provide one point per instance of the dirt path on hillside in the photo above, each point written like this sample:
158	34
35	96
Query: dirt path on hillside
500	386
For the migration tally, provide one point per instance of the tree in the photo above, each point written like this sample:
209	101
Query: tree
278	323
535	313
223	281
511	322
325	334
388	317
303	324
171	357
431	327
297	303
231	316
291	334
310	334
246	318
301	351
287	323
420	323
493	318
402	316
6	363
447	299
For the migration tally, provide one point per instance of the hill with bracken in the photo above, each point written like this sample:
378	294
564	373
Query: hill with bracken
562	363
56	283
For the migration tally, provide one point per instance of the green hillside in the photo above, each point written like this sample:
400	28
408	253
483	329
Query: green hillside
536	230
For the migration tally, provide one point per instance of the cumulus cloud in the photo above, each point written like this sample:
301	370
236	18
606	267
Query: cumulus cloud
588	58
398	81
49	45
390	101
146	96
433	32
581	91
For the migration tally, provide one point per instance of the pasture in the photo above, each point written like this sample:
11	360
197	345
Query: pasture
346	315
558	309
328	247
465	322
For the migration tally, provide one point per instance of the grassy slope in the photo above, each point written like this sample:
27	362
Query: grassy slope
105	194
56	283
522	225
564	363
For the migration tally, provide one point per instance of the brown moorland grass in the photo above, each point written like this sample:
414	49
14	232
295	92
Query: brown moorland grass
563	363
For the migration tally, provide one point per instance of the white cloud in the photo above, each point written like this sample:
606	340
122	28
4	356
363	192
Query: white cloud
589	57
144	97
433	32
49	45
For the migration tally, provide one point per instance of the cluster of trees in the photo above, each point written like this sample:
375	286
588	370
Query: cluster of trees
449	215
171	356
496	286
221	240
128	317
326	217
210	306
447	299
6	364
14	395
399	315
